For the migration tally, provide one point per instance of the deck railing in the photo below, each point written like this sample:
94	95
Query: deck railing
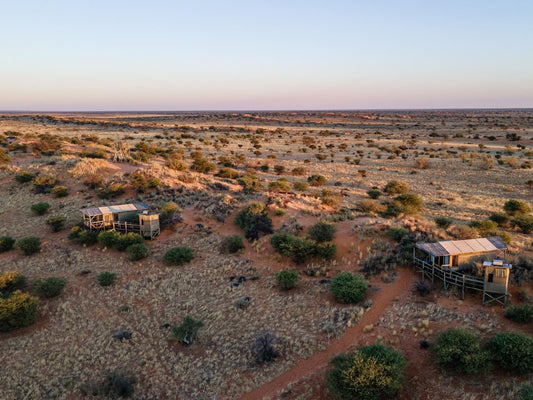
449	277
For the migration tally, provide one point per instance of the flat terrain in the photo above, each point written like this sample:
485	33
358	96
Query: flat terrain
463	164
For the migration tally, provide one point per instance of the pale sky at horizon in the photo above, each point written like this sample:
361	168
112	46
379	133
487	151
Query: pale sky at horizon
246	55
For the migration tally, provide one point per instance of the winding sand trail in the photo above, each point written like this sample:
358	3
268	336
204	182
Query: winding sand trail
380	301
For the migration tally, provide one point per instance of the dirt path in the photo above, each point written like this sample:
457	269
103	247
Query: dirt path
381	301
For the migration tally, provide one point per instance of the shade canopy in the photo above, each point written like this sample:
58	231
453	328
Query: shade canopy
457	247
116	209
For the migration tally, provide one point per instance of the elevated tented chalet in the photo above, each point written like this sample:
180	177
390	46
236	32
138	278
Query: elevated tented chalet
118	217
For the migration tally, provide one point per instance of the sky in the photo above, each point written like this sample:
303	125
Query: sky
118	55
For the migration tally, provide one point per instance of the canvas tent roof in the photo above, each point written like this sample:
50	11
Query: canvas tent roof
455	247
120	208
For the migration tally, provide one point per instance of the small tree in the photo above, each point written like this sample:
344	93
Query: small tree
317	180
349	288
459	350
178	255
49	287
106	278
322	232
263	348
512	351
287	279
370	373
40	208
516	207
254	219
29	245
187	331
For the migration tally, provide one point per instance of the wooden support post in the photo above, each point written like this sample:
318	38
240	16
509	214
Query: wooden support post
463	286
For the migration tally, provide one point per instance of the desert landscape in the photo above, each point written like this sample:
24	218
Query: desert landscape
264	217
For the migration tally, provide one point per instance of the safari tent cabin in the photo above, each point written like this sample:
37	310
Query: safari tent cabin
116	218
451	253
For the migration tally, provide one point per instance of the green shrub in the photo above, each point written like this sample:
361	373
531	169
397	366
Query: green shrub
443	222
29	245
512	351
170	213
522	313
137	251
500	218
483	226
202	165
459	350
279	186
228	173
524	223
326	250
409	203
108	238
60	191
250	183
40	208
370	206
254	219
17	310
322	232
187	331
24	176
178	255
370	373
516	207
106	278
396	187
86	237
526	392
298	249
279	212
56	223
49	287
11	281
6	243
154	182
317	180
374	193
233	244
4	157
287	279
126	240
396	234
349	288
300	186
119	384
176	165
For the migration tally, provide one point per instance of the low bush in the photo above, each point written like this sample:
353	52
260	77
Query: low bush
500	218
170	213
49	287
322	232
60	191
17	310
119	384
250	183
396	187
203	165
443	222
187	331
371	373
524	223
24	176
423	288
4	157
43	184
137	251
56	223
349	288
253	219
126	240
29	245
263	349
279	186
409	203
326	250
298	249
516	207
11	281
111	190
287	279
107	278
512	351
232	244
459	350
178	255
6	243
40	208
374	193
300	186
317	180
522	313
463	232
108	238
396	234
483	226
526	392
228	173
